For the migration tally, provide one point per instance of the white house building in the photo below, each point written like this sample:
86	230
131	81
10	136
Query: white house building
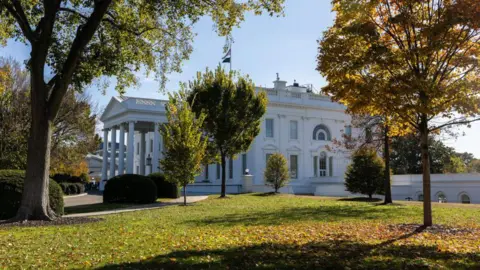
298	123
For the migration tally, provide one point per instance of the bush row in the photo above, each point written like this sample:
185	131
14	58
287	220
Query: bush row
11	188
72	188
67	178
133	188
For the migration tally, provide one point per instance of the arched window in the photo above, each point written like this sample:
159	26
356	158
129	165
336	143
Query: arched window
323	164
464	198
442	198
321	133
420	197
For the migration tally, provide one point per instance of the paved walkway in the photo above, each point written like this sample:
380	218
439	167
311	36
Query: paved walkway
93	199
90	198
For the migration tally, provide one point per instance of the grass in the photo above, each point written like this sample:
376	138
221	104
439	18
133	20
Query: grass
98	207
249	231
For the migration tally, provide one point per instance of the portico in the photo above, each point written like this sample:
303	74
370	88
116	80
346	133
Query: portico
138	121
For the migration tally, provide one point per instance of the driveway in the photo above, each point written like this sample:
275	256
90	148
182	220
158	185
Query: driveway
90	198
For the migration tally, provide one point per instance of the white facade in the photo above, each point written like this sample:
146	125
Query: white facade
298	123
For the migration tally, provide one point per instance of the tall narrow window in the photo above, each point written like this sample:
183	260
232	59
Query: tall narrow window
315	166
218	170
368	135
293	130
293	166
269	127
138	170
330	166
230	168
323	164
151	145
348	130
206	172
244	163
138	148
267	157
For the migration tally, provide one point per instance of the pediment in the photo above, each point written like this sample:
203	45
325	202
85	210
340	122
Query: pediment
294	148
270	147
113	108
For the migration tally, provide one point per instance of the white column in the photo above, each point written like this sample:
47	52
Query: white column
130	147
142	153
156	150
121	151
113	151
105	159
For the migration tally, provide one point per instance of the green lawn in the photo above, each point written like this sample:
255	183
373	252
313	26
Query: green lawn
249	231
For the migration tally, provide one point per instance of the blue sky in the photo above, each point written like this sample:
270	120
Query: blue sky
263	46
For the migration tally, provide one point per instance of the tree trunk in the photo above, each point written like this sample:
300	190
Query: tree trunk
370	196
386	157
35	200
223	193
427	200
185	195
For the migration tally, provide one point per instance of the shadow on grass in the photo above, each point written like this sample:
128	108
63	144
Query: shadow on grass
324	213
359	199
314	255
96	207
266	194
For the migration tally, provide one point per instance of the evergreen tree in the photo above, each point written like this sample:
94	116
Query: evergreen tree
365	174
276	173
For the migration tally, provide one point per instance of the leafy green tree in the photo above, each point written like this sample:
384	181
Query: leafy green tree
185	144
75	42
233	112
474	166
455	165
276	173
73	132
365	174
426	54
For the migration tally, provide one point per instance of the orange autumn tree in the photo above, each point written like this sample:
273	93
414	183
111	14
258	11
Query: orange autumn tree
418	61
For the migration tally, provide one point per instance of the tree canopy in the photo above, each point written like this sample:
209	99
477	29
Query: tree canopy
425	54
233	111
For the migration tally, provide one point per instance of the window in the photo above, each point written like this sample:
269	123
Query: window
323	164
330	166
321	133
442	198
230	168
368	137
138	148
348	130
420	197
322	136
315	166
293	166
464	198
206	172
244	163
269	128
267	157
293	130
151	145
218	171
138	169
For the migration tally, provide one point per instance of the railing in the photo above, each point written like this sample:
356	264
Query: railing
148	102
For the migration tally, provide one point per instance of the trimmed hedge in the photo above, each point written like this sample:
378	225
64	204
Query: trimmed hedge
11	188
67	178
72	188
130	188
165	189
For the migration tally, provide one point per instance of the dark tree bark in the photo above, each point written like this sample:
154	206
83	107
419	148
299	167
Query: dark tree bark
223	193
45	102
388	188
427	200
185	195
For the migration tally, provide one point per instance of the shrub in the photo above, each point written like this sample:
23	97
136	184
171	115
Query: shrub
366	173
72	188
276	174
67	178
11	188
165	189
84	177
130	188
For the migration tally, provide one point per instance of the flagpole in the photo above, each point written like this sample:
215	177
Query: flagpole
231	45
